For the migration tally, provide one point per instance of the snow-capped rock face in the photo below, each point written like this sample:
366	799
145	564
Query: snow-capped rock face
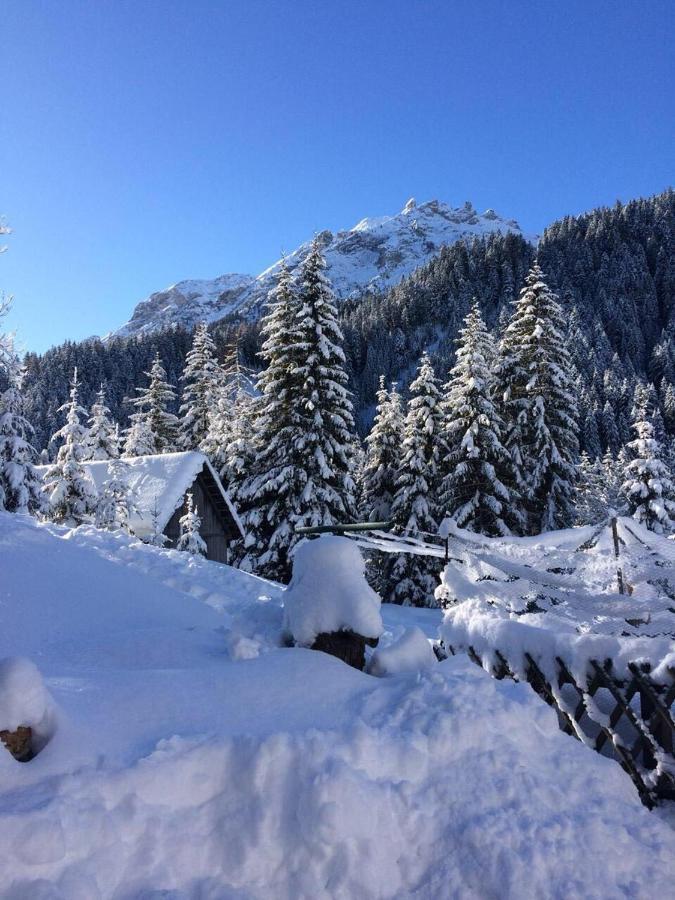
186	303
372	256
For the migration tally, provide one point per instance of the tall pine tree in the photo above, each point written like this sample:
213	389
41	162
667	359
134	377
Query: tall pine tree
305	426
475	462
102	439
539	407
201	380
383	455
153	428
20	485
70	492
413	578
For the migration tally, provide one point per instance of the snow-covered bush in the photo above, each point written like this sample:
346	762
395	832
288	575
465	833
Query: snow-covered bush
412	652
539	407
24	700
329	592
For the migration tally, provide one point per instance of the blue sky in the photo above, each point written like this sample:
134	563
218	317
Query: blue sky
145	142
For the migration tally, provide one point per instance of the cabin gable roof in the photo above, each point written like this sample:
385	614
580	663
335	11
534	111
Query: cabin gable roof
161	481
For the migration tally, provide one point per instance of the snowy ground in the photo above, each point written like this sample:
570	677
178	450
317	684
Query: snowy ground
192	756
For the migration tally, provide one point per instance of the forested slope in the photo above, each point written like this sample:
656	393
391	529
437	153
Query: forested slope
614	270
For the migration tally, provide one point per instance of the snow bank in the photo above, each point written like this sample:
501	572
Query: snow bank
412	652
24	700
329	592
416	794
181	770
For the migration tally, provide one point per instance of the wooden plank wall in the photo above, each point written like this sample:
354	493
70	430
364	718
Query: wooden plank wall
212	529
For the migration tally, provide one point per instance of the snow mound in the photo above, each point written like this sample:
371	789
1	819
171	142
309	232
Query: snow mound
412	652
329	592
24	700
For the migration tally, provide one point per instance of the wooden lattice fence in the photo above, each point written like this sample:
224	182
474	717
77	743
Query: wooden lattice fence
628	719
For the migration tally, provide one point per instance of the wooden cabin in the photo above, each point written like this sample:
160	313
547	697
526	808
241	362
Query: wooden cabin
161	484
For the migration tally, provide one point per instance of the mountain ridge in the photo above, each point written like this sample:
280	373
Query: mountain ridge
373	256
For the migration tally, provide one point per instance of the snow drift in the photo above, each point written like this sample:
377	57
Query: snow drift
180	769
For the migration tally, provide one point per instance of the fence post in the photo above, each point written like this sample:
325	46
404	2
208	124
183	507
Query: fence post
615	537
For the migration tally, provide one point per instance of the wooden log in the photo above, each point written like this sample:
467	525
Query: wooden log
346	645
19	742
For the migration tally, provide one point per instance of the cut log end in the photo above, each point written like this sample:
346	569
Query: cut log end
19	743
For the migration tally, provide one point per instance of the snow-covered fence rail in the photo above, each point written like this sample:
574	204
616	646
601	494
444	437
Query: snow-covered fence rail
549	611
629	719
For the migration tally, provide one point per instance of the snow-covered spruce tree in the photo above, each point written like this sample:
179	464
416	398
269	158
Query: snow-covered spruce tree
70	492
157	538
648	486
413	579
103	438
538	405
590	503
383	456
153	428
230	442
305	426
201	379
475	460
669	407
20	485
377	470
190	539
117	501
612	479
273	482
139	438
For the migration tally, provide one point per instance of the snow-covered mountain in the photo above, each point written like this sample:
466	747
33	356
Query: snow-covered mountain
372	256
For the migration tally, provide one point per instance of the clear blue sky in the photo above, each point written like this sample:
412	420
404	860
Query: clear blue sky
149	141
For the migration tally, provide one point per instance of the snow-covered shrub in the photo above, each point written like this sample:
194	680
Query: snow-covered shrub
329	592
24	700
412	652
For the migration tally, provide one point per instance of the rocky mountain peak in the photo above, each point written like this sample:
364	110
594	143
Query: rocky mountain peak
377	253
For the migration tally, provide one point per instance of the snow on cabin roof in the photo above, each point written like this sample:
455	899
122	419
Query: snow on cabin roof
160	481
